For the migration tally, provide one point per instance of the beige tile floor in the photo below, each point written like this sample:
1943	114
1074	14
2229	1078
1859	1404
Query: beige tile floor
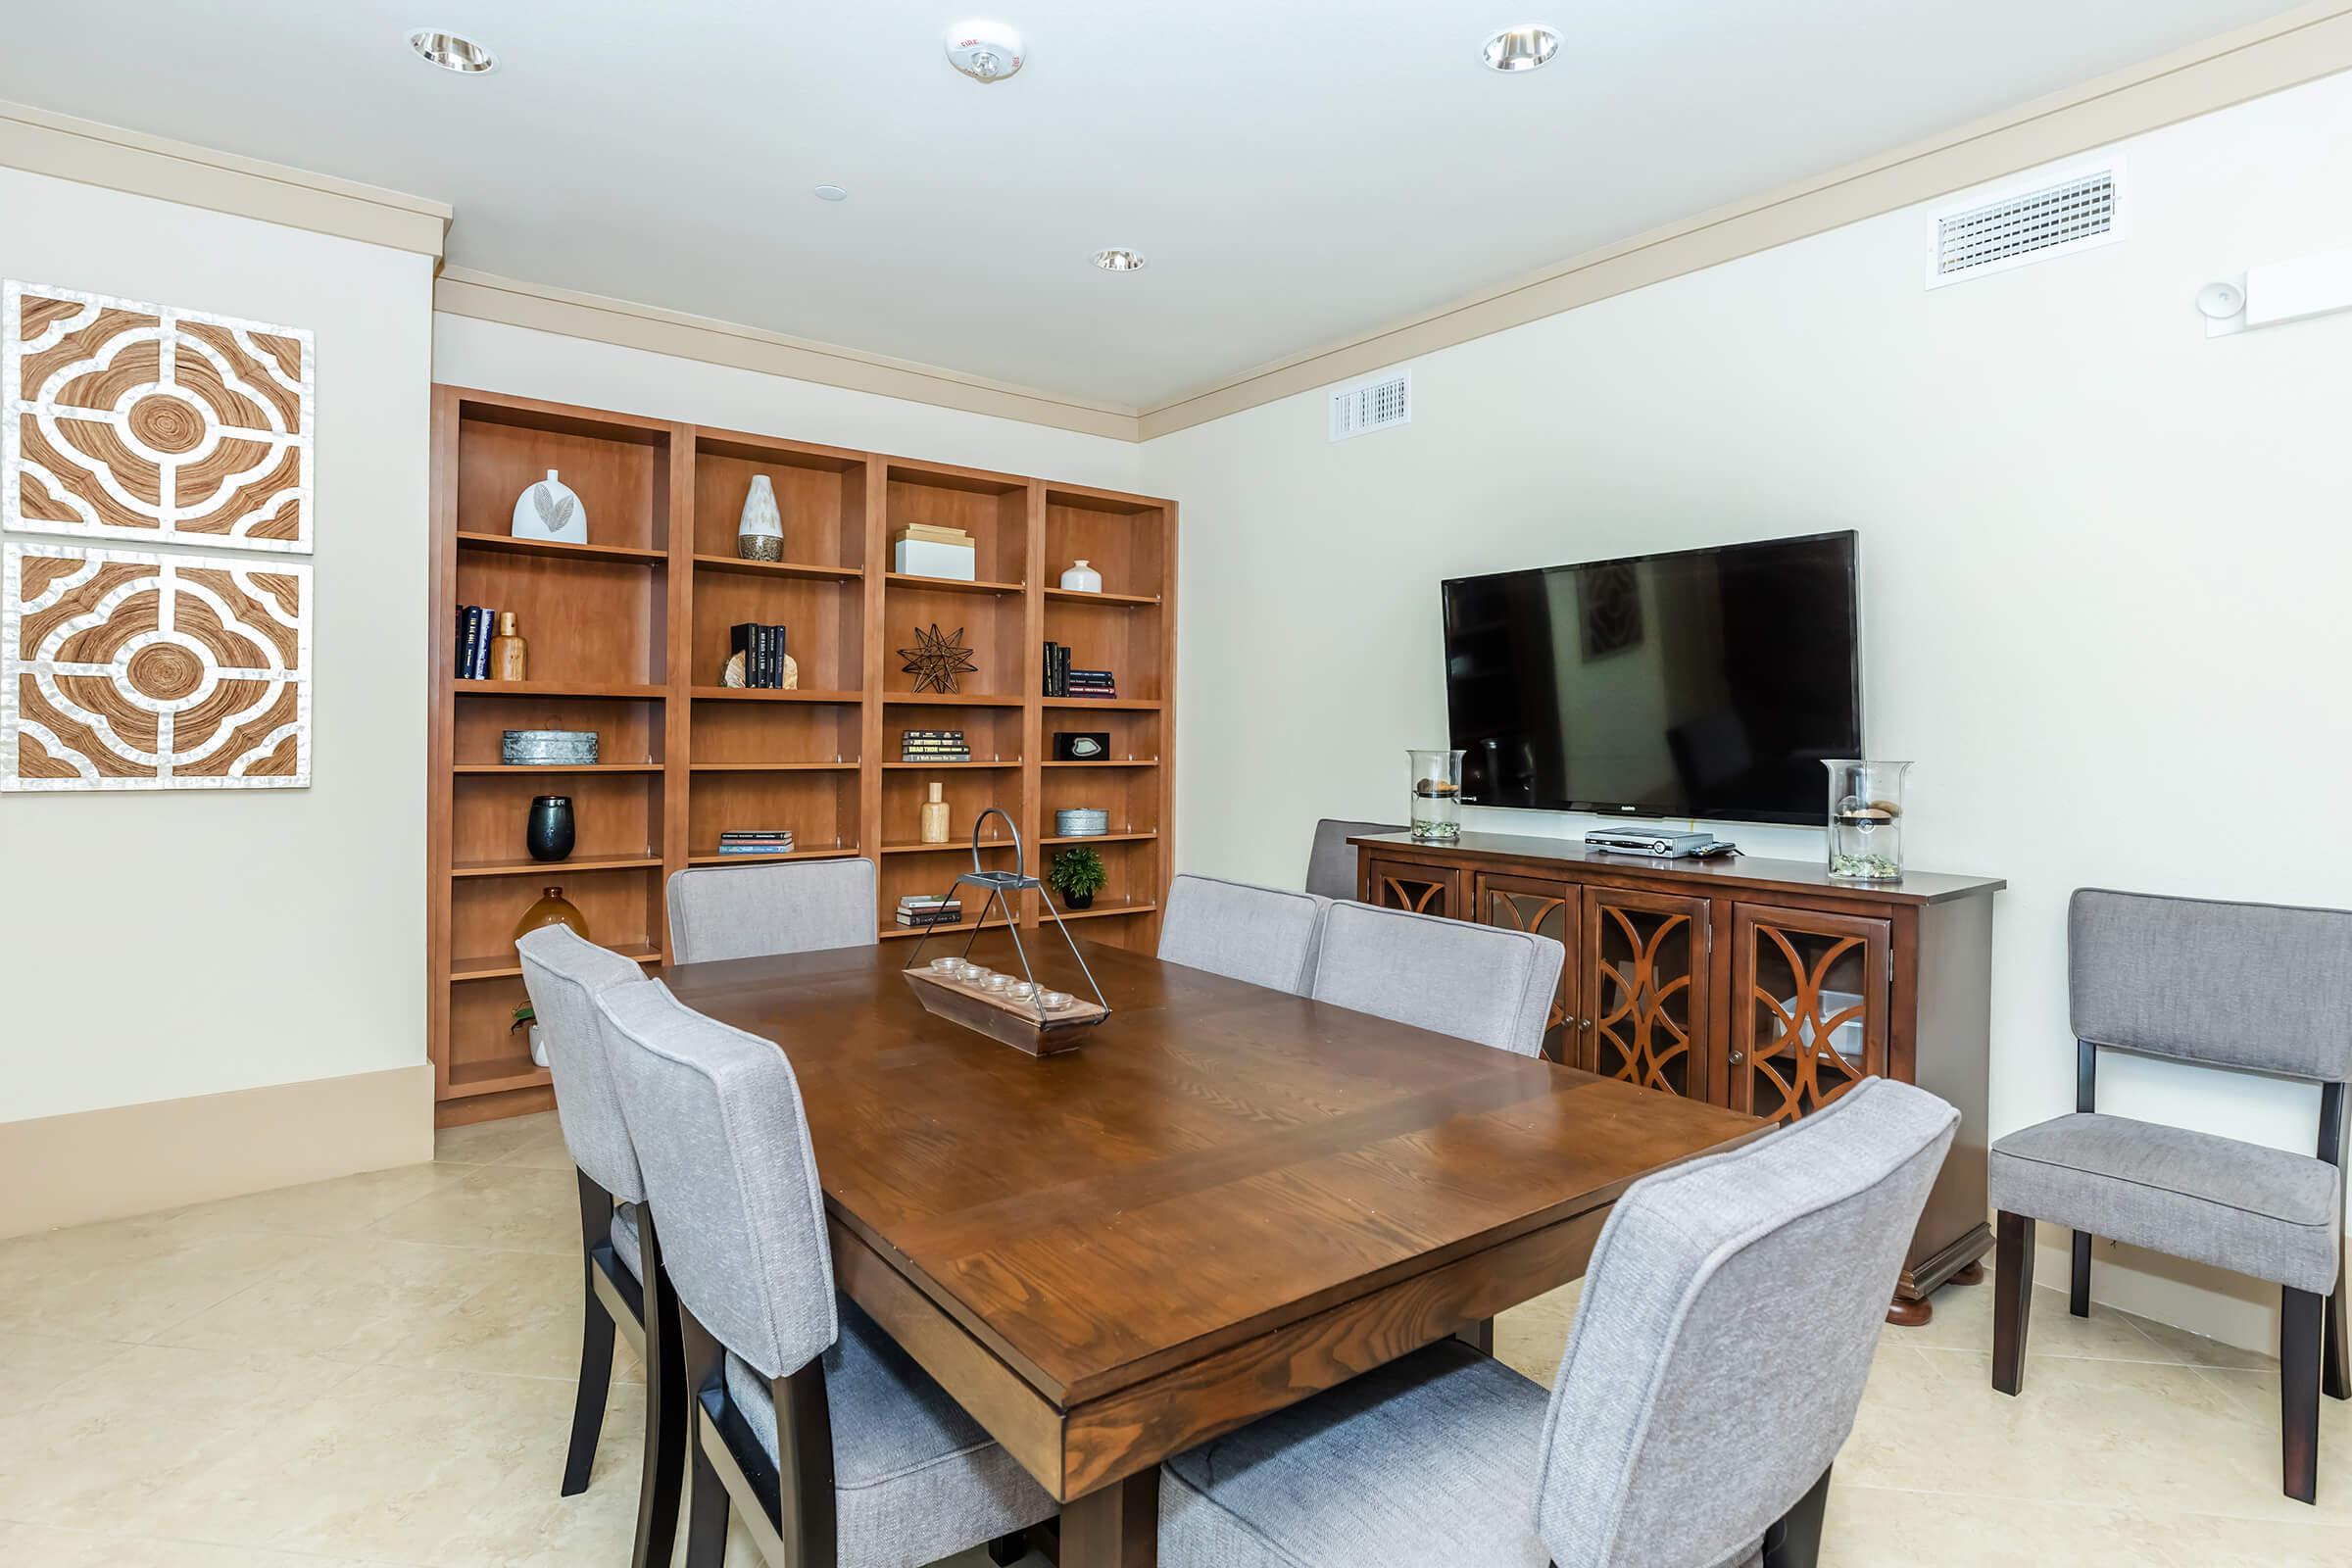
378	1371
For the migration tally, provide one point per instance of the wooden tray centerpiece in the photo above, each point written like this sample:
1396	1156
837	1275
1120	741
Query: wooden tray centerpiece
1020	1013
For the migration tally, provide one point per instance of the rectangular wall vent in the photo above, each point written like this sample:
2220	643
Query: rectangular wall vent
1373	404
2052	220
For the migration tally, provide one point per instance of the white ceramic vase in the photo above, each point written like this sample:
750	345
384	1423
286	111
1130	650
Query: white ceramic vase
1082	579
759	533
550	509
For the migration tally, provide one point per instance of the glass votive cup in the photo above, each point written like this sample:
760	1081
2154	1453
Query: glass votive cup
1021	989
1054	1001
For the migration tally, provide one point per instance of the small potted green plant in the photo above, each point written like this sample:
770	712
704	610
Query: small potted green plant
1077	875
527	1018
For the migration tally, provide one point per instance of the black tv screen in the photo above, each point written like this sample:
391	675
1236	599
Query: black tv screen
1701	683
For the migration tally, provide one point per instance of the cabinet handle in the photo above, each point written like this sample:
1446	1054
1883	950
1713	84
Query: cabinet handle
1739	1056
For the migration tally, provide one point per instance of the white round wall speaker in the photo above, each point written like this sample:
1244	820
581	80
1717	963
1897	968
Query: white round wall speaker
2219	301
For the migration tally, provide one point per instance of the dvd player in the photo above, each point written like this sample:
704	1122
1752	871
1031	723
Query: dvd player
1629	840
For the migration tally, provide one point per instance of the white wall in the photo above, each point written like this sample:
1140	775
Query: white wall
158	946
2103	563
525	363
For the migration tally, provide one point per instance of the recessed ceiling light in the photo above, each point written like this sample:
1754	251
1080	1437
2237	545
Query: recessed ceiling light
1119	261
1522	48
450	52
831	193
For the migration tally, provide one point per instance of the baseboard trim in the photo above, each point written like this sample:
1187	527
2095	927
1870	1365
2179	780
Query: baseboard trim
134	1159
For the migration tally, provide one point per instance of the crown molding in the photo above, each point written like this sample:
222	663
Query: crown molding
2293	48
42	143
461	291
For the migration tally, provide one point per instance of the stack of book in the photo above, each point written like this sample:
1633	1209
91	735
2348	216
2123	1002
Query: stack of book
756	841
923	908
763	651
476	626
933	746
934	550
1064	681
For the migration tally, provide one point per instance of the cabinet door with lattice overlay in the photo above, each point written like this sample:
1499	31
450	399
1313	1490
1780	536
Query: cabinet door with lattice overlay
1808	1007
1421	886
1549	910
1645	988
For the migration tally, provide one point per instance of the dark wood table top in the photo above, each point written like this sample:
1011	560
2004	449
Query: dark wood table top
1216	1161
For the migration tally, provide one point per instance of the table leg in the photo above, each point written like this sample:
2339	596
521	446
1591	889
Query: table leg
1479	1335
1117	1527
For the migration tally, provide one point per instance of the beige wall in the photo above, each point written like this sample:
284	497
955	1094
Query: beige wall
2103	563
155	946
160	946
526	363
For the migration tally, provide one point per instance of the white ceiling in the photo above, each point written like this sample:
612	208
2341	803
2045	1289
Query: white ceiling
1299	173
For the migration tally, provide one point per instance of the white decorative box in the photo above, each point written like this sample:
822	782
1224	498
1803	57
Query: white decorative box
923	558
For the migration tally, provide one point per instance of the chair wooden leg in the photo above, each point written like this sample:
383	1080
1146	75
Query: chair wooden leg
2299	1352
1795	1539
667	1411
596	1341
2011	1300
2335	1378
706	1504
1005	1551
2077	1294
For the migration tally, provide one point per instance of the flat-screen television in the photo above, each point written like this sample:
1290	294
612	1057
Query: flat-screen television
1698	683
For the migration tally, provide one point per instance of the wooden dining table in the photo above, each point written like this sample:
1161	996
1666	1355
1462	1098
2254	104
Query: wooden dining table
1226	1199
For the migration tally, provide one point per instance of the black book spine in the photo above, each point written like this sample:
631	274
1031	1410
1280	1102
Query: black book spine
1062	681
466	629
767	658
780	651
739	641
477	644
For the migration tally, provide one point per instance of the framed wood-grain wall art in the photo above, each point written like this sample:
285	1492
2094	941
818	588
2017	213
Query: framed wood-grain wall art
130	421
124	671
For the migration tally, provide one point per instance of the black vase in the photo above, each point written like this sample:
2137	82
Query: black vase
548	833
1077	901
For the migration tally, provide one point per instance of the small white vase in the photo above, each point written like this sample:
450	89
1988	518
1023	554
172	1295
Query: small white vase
1083	578
550	509
759	534
538	1047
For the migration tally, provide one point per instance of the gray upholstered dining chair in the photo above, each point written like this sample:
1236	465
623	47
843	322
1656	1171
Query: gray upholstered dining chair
2255	987
1674	1436
1261	936
748	911
806	1419
1474	982
1331	864
623	1283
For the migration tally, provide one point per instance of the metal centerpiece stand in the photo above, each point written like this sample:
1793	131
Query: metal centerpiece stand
1021	1013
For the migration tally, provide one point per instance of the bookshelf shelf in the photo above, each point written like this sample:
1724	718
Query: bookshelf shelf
777	568
948	585
1100	909
1080	596
629	631
558	689
508	545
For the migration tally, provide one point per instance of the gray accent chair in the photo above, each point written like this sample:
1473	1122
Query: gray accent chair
1260	936
2255	987
835	1448
1331	864
1474	982
622	1285
756	912
1674	1436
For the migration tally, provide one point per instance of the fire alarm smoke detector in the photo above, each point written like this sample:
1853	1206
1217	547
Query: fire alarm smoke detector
984	51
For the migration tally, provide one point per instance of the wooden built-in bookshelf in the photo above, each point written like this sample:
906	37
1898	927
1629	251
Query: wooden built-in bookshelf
629	634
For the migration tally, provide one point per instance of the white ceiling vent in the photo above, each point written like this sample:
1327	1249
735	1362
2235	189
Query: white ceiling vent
1373	404
2053	218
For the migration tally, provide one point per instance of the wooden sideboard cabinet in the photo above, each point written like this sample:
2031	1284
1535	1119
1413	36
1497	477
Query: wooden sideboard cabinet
1760	985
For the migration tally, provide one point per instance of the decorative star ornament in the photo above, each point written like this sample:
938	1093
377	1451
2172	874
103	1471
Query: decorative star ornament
935	661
